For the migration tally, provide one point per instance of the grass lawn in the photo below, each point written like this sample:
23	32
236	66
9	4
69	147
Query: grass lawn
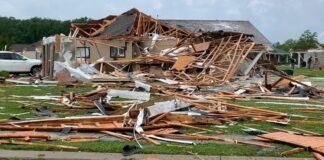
303	71
10	106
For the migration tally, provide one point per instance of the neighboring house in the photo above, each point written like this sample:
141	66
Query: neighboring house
278	56
126	36
32	51
302	56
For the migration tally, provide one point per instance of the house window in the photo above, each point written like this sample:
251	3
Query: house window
83	53
117	52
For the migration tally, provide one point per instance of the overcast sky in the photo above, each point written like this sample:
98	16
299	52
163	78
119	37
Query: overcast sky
278	20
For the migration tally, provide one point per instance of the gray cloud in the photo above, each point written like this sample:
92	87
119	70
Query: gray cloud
279	20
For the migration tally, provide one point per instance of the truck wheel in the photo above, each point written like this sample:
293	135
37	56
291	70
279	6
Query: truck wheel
34	70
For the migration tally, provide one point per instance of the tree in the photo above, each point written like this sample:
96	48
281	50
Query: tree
276	45
3	42
307	40
81	20
32	30
288	45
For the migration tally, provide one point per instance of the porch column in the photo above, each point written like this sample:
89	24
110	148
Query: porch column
298	59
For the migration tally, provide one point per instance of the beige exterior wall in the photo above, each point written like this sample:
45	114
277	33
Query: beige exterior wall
98	50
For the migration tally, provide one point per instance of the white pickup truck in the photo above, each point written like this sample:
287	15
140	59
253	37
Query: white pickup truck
15	63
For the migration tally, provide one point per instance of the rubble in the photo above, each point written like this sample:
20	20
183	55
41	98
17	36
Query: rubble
187	84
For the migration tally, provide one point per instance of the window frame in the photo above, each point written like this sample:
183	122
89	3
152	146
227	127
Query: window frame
119	54
79	55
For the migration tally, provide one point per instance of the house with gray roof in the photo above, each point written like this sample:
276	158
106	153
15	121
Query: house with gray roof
29	50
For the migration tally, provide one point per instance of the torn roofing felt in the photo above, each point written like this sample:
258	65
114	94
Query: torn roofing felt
123	25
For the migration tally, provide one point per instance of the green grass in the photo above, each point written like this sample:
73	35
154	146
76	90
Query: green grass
4	74
209	148
304	71
11	106
41	90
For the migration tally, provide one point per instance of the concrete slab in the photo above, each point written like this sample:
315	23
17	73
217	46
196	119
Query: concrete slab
51	155
261	158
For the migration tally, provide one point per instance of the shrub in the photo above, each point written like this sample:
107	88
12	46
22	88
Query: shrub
4	74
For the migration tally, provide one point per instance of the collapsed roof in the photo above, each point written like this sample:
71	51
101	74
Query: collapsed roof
135	23
130	23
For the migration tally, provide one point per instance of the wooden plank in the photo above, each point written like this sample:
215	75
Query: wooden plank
292	151
118	135
317	156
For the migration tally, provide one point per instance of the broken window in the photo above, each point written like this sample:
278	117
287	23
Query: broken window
117	52
83	54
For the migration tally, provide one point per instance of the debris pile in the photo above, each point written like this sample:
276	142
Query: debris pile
192	83
140	116
206	63
150	47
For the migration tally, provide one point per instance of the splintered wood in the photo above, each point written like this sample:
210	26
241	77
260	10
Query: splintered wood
204	63
207	58
221	63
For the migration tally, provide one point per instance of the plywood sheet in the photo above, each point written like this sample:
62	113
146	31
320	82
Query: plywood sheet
182	62
316	143
200	47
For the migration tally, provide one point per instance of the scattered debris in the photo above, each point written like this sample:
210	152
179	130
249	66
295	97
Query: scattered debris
144	96
147	91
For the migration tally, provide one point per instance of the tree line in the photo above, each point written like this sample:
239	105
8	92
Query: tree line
28	31
307	40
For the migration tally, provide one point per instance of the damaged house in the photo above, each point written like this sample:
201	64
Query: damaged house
186	50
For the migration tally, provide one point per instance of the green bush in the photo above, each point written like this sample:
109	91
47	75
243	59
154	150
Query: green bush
4	74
